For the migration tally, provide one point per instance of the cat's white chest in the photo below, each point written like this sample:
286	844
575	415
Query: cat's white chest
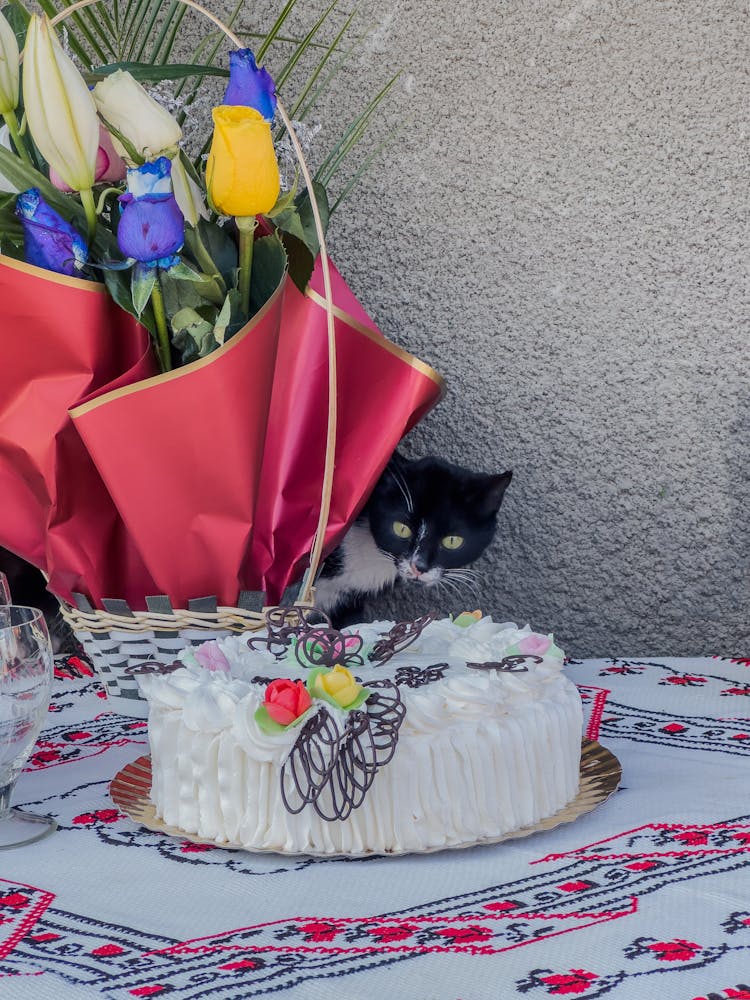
366	570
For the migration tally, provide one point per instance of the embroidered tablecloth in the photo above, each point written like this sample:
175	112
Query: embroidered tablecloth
646	897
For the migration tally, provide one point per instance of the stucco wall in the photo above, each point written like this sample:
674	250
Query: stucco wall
561	229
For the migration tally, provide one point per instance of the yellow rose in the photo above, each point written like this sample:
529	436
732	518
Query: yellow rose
339	684
242	174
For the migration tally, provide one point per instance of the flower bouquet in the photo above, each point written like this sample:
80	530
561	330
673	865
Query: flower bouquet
181	367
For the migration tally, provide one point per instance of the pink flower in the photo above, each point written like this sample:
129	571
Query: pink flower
109	164
534	645
210	657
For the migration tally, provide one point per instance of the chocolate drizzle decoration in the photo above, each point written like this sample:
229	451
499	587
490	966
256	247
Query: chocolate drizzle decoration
286	625
327	647
509	664
402	634
152	667
332	771
413	677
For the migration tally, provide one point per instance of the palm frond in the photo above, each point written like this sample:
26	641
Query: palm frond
276	28
302	47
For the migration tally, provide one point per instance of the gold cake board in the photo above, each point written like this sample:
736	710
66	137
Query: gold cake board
600	776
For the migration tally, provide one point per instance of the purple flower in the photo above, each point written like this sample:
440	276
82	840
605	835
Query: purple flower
250	86
49	241
152	227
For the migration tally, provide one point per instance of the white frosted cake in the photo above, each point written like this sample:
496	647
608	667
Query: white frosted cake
385	738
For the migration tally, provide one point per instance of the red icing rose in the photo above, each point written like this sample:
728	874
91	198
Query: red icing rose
286	700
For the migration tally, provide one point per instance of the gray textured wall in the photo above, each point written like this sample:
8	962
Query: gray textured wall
561	229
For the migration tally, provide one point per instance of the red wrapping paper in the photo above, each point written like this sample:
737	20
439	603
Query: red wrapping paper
203	481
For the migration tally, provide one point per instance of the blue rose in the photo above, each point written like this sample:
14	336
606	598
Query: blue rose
49	241
152	227
250	86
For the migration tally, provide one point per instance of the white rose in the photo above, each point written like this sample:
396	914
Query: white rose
125	107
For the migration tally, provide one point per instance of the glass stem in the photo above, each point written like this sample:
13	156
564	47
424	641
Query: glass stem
246	226
5	793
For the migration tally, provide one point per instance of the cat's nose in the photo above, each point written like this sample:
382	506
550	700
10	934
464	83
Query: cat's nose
415	571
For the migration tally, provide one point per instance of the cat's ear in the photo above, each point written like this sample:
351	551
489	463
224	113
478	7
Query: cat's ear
492	495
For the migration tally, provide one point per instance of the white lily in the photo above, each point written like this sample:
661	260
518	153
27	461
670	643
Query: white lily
8	68
60	110
126	108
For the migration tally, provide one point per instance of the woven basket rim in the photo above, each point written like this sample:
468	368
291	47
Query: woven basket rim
224	618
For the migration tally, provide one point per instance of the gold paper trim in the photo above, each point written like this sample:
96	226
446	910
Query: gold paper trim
52	276
147	383
379	338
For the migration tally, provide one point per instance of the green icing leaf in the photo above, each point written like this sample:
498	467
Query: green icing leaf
270	727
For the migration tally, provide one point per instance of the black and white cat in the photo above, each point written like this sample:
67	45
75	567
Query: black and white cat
425	521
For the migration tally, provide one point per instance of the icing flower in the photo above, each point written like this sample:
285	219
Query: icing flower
210	657
467	618
534	645
286	702
338	687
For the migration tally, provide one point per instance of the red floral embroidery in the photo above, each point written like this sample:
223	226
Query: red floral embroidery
678	950
692	837
386	933
187	848
45	757
685	679
100	816
736	690
320	930
16	901
466	935
573	981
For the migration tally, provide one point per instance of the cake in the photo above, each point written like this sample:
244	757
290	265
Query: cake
384	738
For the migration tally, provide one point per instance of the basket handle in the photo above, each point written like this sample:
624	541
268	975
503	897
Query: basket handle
307	592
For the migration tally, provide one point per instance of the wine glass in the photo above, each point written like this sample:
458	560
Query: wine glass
25	684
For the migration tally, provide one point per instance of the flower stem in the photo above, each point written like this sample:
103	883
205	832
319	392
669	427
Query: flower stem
162	333
12	122
89	207
246	226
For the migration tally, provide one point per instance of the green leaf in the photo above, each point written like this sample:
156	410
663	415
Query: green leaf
18	18
118	286
269	267
148	73
223	320
284	201
142	284
192	335
221	248
300	261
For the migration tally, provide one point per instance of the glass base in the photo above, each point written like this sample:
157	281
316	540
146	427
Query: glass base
19	828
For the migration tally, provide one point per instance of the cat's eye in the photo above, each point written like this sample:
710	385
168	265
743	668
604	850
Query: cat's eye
452	542
401	530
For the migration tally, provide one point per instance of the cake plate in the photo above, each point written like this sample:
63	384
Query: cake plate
600	776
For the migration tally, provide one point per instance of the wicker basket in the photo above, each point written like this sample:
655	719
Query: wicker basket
118	639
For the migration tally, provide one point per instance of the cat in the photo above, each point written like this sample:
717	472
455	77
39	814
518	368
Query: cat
424	522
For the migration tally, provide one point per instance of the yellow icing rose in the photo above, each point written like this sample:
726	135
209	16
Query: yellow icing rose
242	174
338	684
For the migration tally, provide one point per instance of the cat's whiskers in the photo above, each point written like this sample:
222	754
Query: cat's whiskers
467	581
403	486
